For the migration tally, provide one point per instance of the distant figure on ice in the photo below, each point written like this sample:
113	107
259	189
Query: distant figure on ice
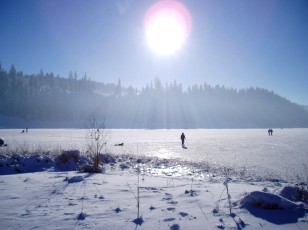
183	139
1	142
270	132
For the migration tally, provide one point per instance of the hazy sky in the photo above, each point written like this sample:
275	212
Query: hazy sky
233	43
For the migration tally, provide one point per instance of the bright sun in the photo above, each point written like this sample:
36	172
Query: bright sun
167	26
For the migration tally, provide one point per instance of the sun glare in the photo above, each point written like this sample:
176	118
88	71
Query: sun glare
167	26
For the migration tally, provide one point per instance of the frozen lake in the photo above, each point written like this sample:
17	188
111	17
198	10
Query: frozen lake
285	153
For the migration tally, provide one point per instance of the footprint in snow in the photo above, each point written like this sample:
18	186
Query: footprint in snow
27	213
150	189
172	202
99	197
71	204
183	214
215	212
169	219
82	216
74	179
175	227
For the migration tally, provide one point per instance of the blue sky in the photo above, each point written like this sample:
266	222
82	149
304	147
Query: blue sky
234	43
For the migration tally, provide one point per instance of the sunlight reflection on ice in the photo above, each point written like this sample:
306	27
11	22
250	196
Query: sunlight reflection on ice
284	153
177	170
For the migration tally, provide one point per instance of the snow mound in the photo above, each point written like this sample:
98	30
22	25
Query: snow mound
268	201
70	160
273	208
295	193
21	163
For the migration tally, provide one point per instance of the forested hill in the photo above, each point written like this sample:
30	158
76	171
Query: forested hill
44	99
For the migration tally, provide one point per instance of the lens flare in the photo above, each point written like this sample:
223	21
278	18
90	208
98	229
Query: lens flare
167	26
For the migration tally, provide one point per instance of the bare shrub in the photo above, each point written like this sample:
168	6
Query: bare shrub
227	172
68	155
96	140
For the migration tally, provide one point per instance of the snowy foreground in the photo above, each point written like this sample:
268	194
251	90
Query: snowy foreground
225	179
44	191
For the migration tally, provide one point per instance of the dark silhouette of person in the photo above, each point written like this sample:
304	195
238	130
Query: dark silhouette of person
183	138
270	132
1	142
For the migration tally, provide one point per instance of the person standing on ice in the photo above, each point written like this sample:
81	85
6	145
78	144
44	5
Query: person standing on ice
183	138
270	132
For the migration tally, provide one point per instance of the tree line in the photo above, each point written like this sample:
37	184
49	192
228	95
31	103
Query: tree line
46	97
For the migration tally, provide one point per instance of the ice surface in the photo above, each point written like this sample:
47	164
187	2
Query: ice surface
283	154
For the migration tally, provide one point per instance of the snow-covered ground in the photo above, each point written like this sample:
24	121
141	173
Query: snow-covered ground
263	176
